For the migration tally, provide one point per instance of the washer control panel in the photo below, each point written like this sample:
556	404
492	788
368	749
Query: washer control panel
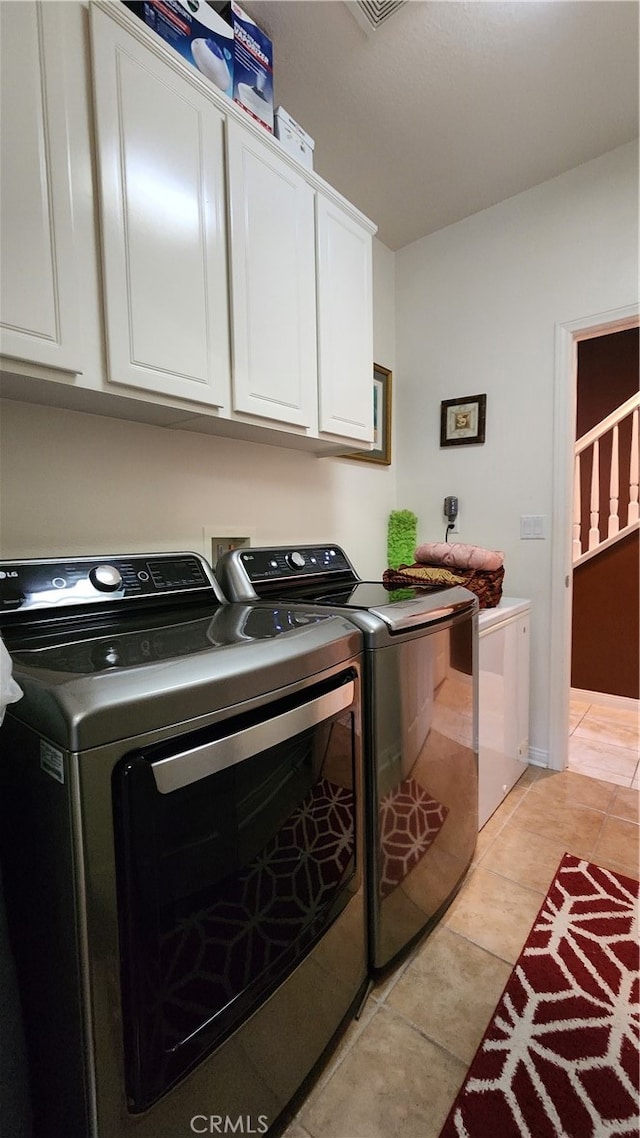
284	564
56	583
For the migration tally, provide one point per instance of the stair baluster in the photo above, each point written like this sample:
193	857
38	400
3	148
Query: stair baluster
614	487
633	472
617	528
594	532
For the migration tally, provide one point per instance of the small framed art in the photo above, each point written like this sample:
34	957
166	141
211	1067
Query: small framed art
462	420
381	451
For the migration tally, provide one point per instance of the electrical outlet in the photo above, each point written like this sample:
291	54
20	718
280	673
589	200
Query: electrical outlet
220	545
216	543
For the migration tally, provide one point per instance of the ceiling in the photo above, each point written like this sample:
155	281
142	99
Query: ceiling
450	107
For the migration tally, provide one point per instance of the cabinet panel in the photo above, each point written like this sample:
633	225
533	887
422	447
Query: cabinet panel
345	323
503	694
160	152
272	284
39	319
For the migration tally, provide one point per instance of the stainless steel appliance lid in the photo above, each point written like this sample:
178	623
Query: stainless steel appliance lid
398	608
90	691
324	576
106	649
122	644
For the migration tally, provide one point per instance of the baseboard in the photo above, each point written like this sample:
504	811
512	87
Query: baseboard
605	699
538	757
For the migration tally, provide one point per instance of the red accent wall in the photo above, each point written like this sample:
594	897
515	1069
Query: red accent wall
606	619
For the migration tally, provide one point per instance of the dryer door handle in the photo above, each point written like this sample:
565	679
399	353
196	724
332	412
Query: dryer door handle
189	766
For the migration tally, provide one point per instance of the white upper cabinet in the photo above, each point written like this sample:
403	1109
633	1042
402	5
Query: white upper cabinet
345	323
39	319
163	258
272	260
162	209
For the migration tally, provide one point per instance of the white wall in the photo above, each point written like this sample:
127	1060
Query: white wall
78	483
476	309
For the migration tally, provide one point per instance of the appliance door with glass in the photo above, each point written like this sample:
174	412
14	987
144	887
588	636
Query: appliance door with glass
187	903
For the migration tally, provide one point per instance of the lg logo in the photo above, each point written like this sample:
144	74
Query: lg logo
8	573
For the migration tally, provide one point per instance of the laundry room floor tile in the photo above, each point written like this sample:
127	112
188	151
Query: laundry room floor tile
528	858
450	991
393	1081
396	1072
571	788
494	912
578	826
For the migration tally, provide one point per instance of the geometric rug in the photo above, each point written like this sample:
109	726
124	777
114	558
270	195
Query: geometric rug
561	1056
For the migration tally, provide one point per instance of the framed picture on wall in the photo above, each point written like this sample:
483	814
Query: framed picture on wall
462	420
381	451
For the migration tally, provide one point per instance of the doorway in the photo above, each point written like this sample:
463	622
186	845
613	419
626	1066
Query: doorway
568	336
605	679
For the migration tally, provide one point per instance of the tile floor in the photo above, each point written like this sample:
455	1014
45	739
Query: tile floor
604	740
398	1068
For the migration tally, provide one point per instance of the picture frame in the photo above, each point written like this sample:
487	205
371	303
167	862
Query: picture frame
381	451
463	420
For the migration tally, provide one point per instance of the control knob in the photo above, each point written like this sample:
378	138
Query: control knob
10	597
295	560
106	578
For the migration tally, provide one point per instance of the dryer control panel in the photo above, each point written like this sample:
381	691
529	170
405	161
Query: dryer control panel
58	583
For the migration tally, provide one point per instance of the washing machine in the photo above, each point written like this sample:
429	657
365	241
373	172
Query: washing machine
421	726
181	829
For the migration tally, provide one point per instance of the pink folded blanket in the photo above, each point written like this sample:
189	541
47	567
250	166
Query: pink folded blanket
456	555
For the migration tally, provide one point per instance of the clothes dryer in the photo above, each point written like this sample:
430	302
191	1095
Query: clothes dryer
181	842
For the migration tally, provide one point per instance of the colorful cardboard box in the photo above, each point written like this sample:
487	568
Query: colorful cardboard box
200	34
252	65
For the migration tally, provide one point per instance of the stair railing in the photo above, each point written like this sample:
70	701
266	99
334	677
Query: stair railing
591	440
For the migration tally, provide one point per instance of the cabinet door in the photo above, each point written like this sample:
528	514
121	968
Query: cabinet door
160	157
272	283
38	318
345	323
503	704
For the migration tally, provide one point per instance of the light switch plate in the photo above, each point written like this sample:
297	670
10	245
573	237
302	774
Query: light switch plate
533	527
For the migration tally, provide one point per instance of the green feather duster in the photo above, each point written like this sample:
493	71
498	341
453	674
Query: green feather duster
402	538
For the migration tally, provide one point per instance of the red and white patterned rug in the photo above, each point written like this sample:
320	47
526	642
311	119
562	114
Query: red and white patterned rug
561	1056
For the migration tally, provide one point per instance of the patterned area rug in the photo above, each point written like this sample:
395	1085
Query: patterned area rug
560	1058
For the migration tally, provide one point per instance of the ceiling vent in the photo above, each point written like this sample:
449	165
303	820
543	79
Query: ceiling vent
371	14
